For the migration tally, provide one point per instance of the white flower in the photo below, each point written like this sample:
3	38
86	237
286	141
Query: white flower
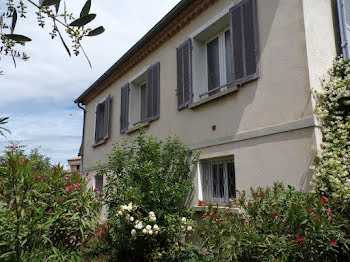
155	227
129	207
184	219
144	231
120	213
133	232
131	219
150	232
151	213
148	227
152	218
189	229
138	225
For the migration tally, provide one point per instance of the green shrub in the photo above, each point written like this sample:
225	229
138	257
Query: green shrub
278	224
148	185
332	165
45	213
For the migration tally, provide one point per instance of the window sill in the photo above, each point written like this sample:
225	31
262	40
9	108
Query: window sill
137	127
101	142
210	98
234	210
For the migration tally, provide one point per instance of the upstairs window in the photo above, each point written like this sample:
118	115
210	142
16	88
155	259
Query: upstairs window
102	120
221	55
140	99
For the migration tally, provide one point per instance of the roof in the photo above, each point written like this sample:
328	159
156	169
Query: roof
138	46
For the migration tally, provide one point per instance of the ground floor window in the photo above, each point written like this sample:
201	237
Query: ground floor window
98	183
218	180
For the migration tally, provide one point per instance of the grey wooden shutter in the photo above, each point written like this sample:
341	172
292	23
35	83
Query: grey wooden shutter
107	117
184	74
344	22
245	41
153	92
124	108
97	121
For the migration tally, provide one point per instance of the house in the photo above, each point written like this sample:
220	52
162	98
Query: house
232	78
74	164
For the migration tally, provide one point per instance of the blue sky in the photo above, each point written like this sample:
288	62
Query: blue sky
38	95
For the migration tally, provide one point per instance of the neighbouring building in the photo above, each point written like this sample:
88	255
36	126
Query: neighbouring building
233	79
74	164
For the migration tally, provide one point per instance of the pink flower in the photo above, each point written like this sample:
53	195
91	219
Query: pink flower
333	243
275	214
262	194
207	215
300	240
38	177
330	212
77	185
96	190
68	187
324	200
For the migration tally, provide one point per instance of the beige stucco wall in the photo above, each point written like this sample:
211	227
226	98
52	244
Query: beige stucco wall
290	63
280	95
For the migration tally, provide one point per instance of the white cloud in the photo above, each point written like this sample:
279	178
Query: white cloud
38	95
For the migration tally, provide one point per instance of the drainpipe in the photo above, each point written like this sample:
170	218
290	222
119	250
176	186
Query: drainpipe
82	140
342	25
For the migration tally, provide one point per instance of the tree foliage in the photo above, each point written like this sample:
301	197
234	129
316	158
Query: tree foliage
48	11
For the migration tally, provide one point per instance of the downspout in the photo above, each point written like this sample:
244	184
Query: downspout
344	41
82	140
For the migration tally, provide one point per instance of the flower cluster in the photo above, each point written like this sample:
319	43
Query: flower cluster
331	171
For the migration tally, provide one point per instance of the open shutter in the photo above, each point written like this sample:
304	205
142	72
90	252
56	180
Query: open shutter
245	42
107	117
97	121
184	74
124	108
344	22
153	92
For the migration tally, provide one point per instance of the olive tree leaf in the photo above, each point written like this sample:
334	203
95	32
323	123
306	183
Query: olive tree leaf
49	2
65	46
96	31
86	9
83	20
57	6
18	38
14	20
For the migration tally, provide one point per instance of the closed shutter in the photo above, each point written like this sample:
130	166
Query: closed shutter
97	116
153	92
244	40
184	74
107	117
344	22
124	108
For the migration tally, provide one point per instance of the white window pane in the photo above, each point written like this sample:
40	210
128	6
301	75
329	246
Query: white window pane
213	65
143	113
228	48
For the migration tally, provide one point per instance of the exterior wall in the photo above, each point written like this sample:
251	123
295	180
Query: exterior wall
280	95
268	125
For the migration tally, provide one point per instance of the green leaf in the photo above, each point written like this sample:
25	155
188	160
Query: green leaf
50	2
86	9
18	38
83	20
57	6
96	31
14	20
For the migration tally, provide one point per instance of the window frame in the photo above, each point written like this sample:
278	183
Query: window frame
208	163
95	184
222	63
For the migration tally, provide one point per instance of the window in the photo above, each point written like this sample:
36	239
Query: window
140	99
218	181
219	56
219	62
102	120
98	183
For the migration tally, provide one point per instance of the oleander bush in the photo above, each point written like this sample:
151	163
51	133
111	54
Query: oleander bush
148	186
46	214
278	224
